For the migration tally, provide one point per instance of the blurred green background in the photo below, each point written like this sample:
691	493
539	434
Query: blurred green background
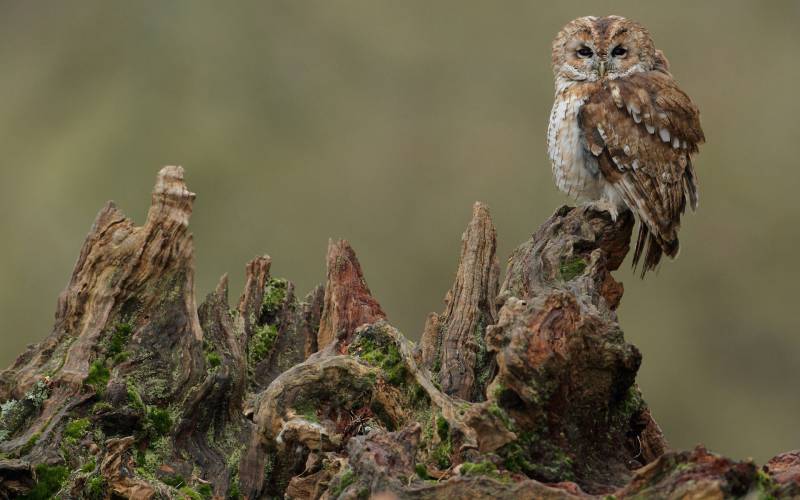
381	122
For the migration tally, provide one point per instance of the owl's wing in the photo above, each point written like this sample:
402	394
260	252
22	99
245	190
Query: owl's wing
643	130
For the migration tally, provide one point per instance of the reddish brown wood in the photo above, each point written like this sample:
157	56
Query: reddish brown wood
348	302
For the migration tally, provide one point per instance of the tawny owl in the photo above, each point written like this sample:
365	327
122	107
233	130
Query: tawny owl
622	134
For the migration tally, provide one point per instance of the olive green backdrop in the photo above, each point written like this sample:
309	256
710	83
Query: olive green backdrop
381	122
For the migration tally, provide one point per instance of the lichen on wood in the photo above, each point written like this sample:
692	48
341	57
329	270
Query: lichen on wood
525	390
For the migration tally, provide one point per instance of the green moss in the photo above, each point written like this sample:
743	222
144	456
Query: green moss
190	493
75	430
441	453
213	359
149	460
205	491
479	469
261	343
233	489
572	267
134	398
765	486
380	350
421	471
347	478
98	376
101	406
626	410
418	396
308	410
176	481
115	350
96	488
483	360
28	446
437	363
442	427
89	466
160	421
49	480
537	458
274	296
496	411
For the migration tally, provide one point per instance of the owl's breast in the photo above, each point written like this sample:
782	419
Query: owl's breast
575	169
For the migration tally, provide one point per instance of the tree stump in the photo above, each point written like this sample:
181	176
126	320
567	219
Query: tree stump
520	390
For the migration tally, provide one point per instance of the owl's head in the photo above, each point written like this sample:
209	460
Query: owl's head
591	48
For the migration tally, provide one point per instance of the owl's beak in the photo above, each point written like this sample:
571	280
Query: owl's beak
602	69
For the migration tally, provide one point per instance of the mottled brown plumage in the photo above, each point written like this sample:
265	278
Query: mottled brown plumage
622	134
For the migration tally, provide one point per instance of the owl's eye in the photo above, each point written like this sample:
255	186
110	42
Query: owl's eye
619	51
584	52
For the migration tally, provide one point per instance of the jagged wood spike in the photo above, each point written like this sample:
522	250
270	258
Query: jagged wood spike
453	343
348	301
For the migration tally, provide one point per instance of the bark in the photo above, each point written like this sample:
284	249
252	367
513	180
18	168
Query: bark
453	343
525	390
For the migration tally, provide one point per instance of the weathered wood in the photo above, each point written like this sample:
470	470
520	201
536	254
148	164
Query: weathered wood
452	343
137	393
348	301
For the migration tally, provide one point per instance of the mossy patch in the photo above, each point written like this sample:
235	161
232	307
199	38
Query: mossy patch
134	398
150	459
175	481
75	430
444	449
118	341
347	478
96	488
28	446
496	411
765	486
261	343
98	376
101	407
274	297
537	458
379	349
159	420
188	492
89	466
213	359
572	267
623	413
49	480
484	468
205	491
308	410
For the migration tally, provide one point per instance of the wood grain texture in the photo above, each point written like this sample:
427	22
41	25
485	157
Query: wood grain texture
453	343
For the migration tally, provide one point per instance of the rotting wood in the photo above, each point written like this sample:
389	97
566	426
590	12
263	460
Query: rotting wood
138	393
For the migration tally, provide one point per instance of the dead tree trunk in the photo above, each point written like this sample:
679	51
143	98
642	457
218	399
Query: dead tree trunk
525	390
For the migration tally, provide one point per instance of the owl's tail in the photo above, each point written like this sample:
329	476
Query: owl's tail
656	247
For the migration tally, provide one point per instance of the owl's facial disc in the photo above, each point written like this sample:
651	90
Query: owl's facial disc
591	49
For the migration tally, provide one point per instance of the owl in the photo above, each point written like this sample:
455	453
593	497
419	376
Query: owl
622	134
